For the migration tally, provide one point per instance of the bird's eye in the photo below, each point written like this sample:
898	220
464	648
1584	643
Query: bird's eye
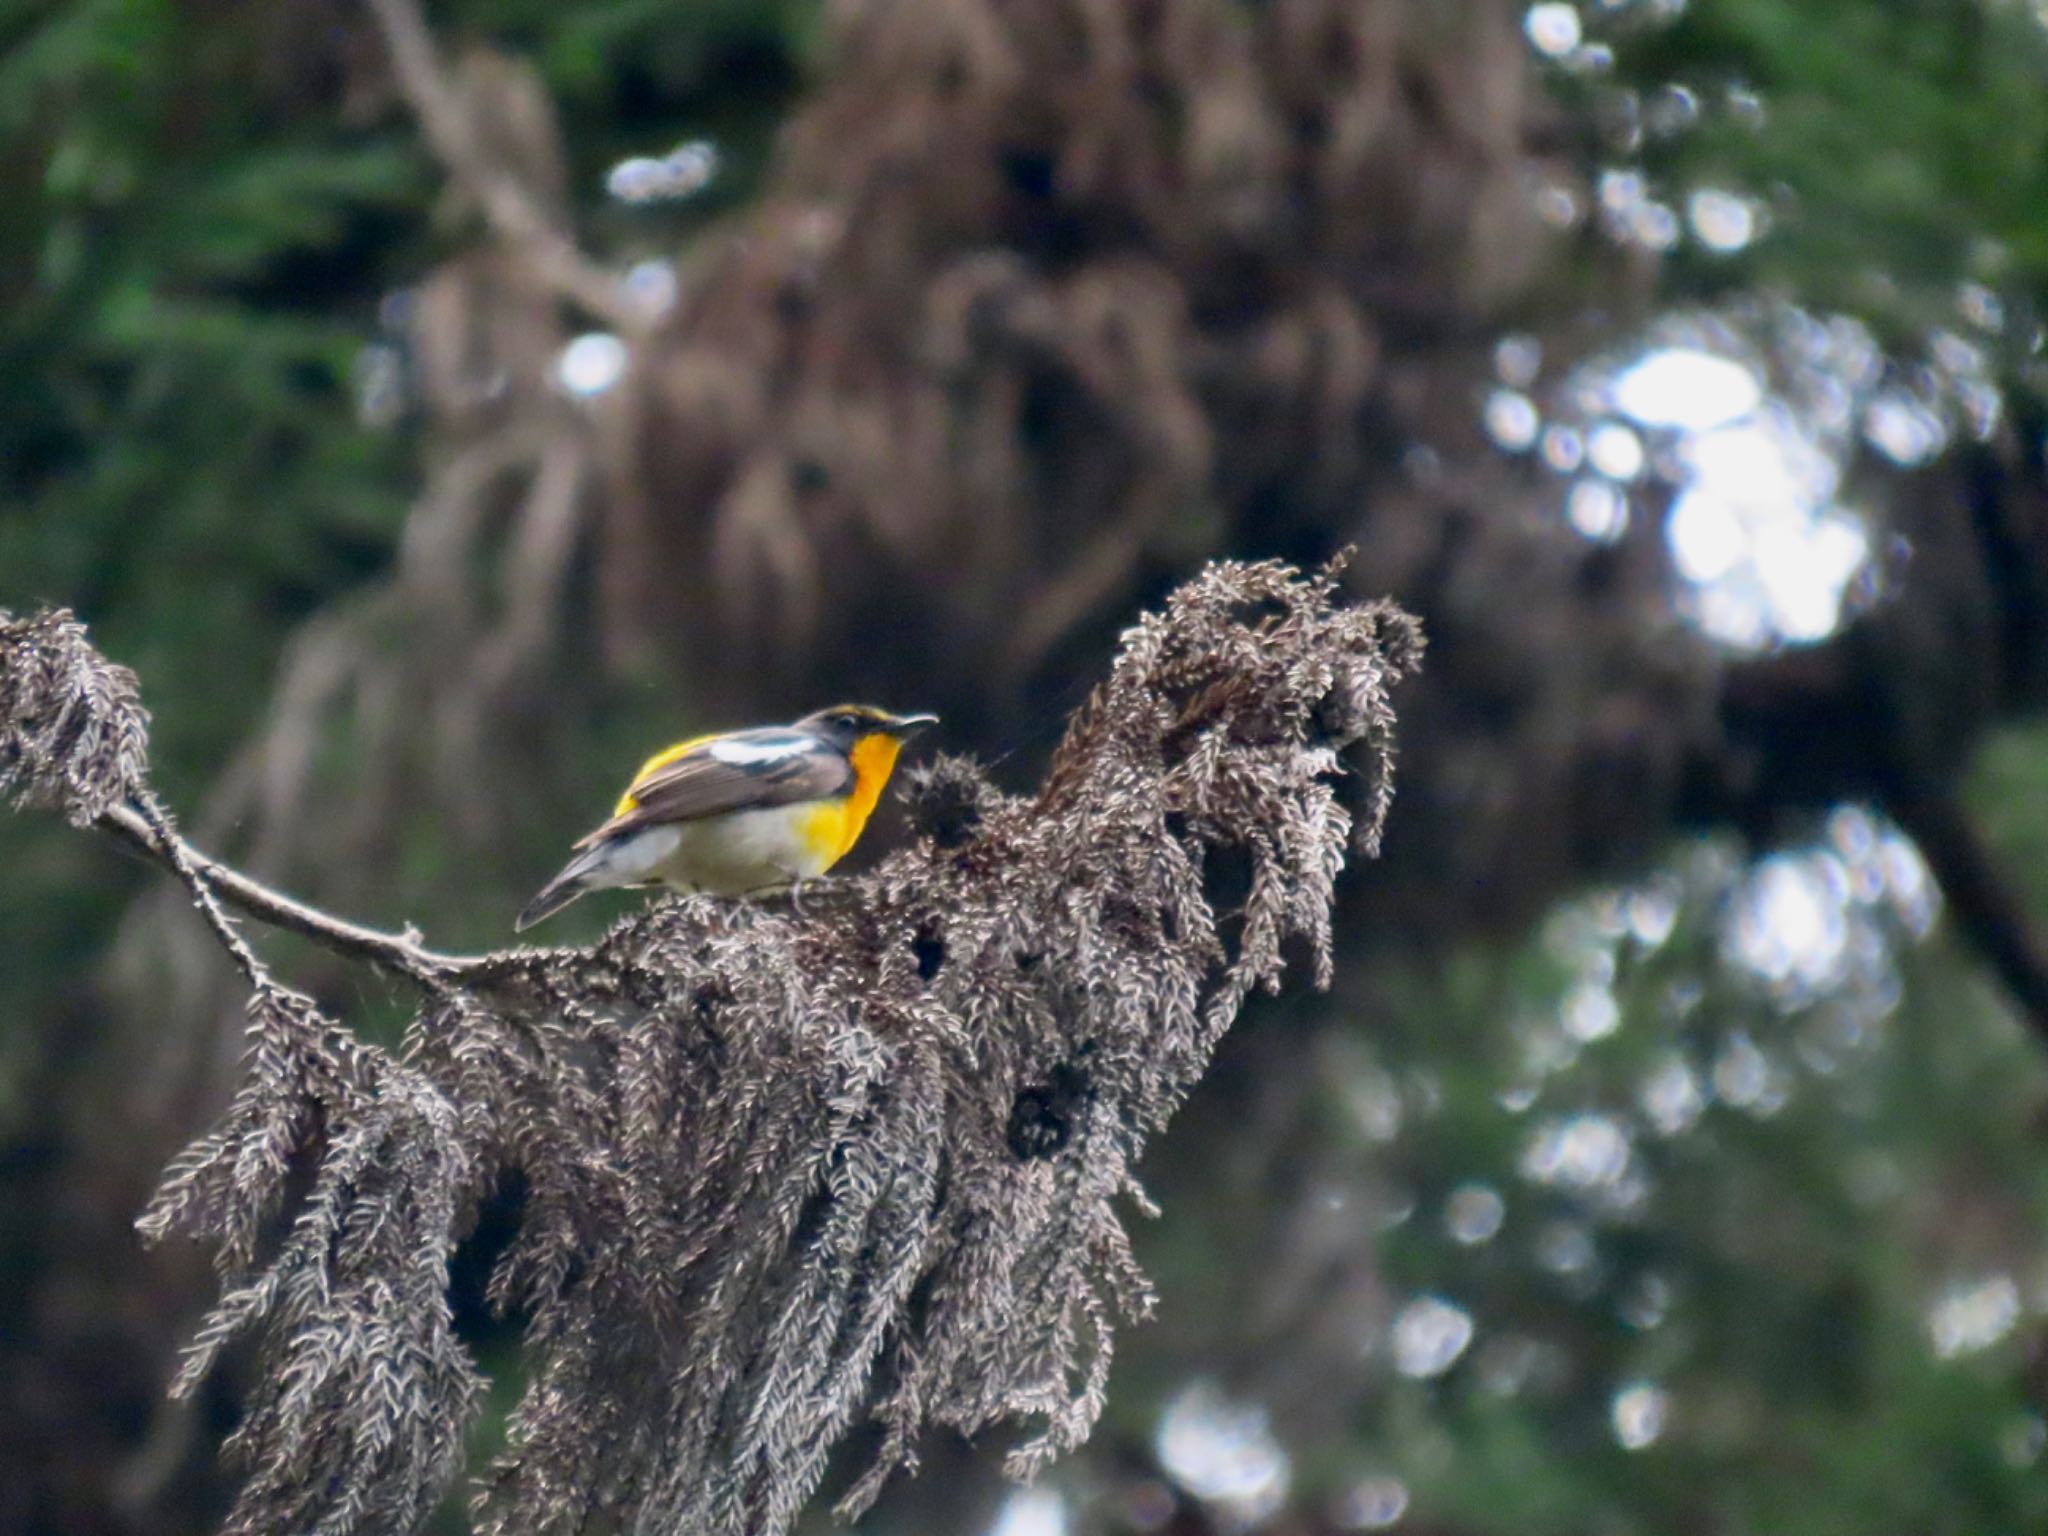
849	720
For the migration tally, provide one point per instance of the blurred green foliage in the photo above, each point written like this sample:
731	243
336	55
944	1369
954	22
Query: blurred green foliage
189	271
1897	148
1787	1215
2007	787
1686	1227
202	220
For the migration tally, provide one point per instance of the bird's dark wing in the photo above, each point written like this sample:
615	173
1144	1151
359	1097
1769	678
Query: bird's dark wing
771	766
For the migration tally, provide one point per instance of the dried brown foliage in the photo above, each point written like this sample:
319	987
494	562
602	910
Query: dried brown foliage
783	1168
1051	300
74	736
1052	296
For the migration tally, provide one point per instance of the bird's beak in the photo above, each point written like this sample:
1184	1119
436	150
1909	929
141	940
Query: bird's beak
908	725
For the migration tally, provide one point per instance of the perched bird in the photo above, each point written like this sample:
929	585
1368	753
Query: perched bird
741	810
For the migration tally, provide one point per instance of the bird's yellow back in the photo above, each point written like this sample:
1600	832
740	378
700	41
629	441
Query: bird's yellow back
654	765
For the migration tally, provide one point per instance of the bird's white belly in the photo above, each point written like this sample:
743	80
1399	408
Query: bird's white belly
725	855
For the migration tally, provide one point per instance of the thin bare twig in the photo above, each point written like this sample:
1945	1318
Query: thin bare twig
401	952
508	206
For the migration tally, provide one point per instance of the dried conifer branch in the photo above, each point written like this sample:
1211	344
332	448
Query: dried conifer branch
782	1169
74	736
510	208
400	952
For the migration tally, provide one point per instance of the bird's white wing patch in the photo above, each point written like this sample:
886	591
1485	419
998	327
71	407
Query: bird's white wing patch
772	749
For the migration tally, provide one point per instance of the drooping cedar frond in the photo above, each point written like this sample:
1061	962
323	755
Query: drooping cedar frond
357	1422
73	733
791	1166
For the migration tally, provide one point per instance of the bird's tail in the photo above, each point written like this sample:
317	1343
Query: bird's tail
574	880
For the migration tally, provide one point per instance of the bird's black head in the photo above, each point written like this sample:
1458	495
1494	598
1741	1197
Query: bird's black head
845	724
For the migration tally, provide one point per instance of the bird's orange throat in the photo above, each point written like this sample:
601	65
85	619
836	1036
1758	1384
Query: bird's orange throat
835	826
874	759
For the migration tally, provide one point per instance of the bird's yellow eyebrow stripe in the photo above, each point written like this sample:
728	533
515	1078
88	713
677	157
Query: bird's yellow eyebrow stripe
655	764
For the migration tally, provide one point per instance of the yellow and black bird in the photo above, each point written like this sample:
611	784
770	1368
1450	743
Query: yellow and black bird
740	811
